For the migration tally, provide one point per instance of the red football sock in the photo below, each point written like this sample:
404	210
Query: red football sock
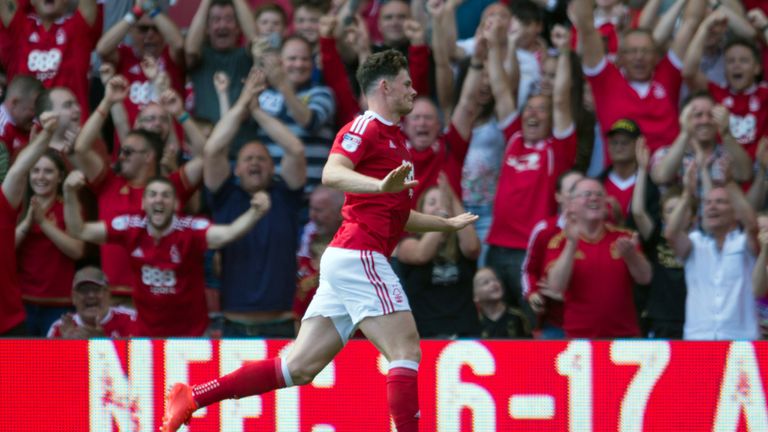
251	379
403	398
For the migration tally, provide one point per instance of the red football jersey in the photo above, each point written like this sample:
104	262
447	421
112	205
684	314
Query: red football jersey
655	111
11	135
59	56
373	221
140	93
170	283
49	284
599	301
119	322
749	113
527	183
117	197
11	309
447	154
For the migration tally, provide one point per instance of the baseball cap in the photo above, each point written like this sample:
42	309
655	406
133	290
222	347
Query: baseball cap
625	126
89	275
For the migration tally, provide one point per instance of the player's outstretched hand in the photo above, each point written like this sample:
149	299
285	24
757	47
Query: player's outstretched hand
398	179
462	220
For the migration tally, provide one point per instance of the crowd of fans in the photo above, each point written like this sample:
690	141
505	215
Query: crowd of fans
615	151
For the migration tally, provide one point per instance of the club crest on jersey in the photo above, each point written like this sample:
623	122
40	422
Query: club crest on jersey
61	37
350	142
175	255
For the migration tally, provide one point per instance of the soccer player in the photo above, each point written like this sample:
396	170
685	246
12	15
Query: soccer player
166	253
369	161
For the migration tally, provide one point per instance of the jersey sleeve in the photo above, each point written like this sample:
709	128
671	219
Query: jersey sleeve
457	146
119	229
533	265
350	143
511	125
669	73
198	234
565	150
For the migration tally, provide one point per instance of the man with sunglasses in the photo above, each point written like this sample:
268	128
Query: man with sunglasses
119	190
153	36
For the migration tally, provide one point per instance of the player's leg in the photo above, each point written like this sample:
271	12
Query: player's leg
316	345
396	337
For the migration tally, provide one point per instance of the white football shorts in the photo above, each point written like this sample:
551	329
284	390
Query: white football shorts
355	284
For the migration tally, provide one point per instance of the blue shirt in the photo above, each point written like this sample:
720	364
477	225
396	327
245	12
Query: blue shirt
259	270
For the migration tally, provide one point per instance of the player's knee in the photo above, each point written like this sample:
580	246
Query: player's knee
303	373
410	352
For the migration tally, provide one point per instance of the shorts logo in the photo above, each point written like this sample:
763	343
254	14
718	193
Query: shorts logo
350	142
398	295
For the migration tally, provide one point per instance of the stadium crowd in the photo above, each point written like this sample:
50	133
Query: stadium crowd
163	178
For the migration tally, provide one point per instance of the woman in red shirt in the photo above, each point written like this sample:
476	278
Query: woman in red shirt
46	254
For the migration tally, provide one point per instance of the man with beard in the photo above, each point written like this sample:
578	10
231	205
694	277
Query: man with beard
51	44
119	190
369	161
166	253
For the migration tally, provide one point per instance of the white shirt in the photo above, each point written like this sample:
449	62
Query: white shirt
720	303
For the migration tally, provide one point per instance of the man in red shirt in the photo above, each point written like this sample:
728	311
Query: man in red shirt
11	193
17	113
547	306
153	35
94	317
638	86
51	44
370	162
595	266
745	96
541	145
432	151
166	253
120	191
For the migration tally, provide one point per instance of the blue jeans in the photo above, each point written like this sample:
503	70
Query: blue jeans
485	212
40	318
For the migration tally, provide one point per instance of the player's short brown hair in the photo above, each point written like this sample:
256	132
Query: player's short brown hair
386	64
24	86
163	180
